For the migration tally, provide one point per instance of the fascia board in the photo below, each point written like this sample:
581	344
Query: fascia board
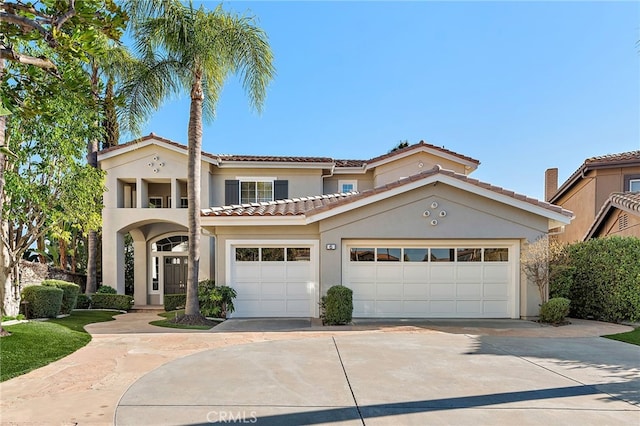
349	171
252	220
272	165
432	151
142	144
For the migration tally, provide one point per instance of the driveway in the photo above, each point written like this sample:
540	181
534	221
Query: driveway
428	372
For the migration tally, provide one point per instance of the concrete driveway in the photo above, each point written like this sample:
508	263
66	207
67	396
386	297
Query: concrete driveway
417	376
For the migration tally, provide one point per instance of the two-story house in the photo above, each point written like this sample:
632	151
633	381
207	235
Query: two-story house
409	231
603	193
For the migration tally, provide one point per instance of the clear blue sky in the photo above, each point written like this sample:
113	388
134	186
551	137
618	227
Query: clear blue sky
519	86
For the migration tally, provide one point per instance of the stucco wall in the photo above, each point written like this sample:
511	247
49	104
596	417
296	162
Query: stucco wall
411	165
365	181
612	225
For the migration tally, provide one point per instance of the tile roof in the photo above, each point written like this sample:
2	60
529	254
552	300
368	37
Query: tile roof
313	205
272	158
422	144
289	207
350	163
627	201
603	161
152	136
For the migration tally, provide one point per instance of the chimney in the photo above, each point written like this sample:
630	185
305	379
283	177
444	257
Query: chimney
550	183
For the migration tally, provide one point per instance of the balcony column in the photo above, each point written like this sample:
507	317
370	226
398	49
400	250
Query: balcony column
175	194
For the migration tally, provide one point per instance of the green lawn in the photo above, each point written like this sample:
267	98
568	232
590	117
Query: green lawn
632	337
171	315
35	344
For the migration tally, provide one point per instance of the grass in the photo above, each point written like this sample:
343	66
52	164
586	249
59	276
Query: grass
35	344
632	337
171	315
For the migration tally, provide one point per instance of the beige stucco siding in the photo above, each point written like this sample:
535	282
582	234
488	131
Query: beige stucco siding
581	201
614	224
365	182
411	165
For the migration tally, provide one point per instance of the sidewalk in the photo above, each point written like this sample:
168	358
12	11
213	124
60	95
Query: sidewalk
85	387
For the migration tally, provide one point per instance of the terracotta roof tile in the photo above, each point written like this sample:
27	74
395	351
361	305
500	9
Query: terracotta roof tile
609	160
428	145
350	163
272	158
626	200
152	136
313	205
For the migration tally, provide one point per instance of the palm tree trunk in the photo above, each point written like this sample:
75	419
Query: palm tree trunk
192	307
92	159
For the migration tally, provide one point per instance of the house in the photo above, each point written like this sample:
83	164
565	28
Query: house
409	231
599	193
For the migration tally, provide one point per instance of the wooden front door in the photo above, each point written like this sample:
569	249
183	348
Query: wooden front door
175	274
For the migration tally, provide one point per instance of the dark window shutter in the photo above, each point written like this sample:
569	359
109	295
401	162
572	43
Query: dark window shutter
280	189
231	192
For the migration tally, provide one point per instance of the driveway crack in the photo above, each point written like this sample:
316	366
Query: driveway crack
353	395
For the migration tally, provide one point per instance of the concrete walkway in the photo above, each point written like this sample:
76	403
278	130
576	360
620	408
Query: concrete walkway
382	373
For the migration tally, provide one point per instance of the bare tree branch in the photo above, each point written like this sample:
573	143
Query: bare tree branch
12	55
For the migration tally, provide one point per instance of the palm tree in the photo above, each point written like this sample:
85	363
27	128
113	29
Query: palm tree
194	50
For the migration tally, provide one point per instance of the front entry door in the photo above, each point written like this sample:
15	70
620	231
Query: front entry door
175	274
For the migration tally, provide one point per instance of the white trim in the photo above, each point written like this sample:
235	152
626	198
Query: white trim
256	178
160	255
631	182
141	144
421	148
253	220
274	242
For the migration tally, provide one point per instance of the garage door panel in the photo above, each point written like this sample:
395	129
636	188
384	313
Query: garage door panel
389	272
442	273
440	307
442	291
273	290
415	272
298	290
249	271
466	291
500	291
247	290
468	272
273	271
389	291
416	291
363	290
363	308
389	308
498	273
300	307
363	272
415	308
466	307
495	308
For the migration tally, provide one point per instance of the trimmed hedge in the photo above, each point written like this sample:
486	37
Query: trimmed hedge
605	283
42	301
70	295
555	310
83	302
105	289
338	305
173	302
121	302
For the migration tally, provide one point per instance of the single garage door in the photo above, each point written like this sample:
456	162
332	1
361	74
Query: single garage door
273	281
470	279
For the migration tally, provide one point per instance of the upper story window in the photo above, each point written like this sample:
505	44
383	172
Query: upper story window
347	186
155	202
256	191
634	185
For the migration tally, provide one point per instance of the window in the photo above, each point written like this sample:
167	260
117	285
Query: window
388	254
173	244
442	255
634	185
249	254
155	202
256	191
496	255
469	254
347	186
362	255
273	254
302	254
416	255
184	202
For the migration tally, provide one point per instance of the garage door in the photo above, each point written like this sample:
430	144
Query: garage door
273	281
448	280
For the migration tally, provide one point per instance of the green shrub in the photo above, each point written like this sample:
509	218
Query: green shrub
606	279
173	302
83	302
560	280
105	289
70	295
555	310
42	301
207	306
338	305
121	302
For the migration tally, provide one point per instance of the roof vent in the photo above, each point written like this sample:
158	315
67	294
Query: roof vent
623	221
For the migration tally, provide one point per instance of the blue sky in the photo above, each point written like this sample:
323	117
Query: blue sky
520	86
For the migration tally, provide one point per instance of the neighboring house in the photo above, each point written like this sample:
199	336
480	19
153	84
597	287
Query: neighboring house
588	191
408	231
620	216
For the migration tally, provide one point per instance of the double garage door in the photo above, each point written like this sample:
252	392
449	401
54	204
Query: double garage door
450	279
392	279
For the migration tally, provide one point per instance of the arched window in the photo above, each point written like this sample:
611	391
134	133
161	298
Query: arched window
176	243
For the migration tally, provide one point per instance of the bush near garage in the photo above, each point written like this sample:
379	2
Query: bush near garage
555	310
604	279
173	302
42	301
120	302
337	306
69	296
83	301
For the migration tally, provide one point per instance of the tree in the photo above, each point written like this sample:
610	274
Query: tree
194	51
401	144
535	261
42	194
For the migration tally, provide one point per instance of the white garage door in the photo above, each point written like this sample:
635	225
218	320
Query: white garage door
448	280
273	281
